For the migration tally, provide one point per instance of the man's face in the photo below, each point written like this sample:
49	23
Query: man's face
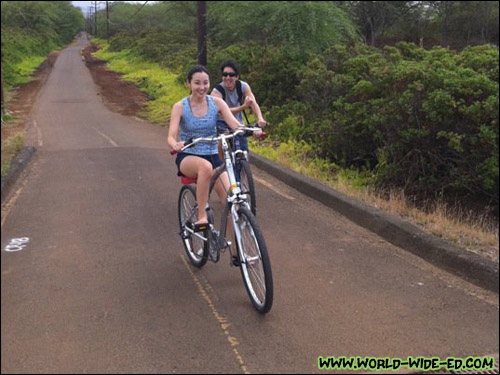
229	78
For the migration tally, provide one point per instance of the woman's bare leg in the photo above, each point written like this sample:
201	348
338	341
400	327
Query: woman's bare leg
201	169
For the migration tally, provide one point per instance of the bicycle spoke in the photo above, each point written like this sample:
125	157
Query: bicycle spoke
196	248
255	267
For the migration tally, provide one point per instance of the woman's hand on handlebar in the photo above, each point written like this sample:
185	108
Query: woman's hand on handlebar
177	148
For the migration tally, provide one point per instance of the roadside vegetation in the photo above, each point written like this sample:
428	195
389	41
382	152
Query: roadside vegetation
392	102
30	31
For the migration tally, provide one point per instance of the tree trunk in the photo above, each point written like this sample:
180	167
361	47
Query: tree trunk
202	33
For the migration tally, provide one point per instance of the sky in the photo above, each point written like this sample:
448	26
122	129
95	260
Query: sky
82	4
85	4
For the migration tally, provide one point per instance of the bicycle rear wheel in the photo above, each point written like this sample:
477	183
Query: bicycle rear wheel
255	265
196	248
247	185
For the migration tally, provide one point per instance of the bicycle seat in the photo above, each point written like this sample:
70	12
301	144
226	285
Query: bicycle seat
188	180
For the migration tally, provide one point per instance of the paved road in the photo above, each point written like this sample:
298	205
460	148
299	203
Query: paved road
103	286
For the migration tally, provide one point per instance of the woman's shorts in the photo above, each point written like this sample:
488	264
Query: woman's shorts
213	159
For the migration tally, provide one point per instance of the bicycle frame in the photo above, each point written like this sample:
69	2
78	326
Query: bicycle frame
251	254
234	193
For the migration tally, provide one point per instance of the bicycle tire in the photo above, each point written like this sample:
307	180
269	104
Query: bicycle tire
246	183
255	265
188	210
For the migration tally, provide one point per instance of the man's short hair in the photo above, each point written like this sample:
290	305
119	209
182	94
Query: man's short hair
230	63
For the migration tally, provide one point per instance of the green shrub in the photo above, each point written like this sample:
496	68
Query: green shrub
426	121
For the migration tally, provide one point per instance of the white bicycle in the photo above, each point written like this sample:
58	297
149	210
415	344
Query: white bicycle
251	251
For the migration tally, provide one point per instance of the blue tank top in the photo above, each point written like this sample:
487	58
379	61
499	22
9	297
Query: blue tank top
194	127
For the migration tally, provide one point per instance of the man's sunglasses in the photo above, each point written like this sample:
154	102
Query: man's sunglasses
229	74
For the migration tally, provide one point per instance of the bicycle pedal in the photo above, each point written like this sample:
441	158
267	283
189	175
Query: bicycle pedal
235	261
223	244
197	227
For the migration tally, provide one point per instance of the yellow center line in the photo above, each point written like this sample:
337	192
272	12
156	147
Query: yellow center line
224	323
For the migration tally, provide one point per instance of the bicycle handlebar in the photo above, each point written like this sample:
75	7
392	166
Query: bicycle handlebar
243	131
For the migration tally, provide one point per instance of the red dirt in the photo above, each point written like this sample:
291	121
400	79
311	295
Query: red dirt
119	96
24	96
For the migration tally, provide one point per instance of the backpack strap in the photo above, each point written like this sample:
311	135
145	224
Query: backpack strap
239	90
220	89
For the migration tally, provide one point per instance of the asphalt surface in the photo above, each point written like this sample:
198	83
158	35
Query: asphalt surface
103	286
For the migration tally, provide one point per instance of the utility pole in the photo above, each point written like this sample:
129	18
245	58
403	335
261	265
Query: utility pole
107	20
95	18
1	82
202	33
89	20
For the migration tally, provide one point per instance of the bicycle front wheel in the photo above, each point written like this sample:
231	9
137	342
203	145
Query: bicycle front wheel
196	248
255	265
247	185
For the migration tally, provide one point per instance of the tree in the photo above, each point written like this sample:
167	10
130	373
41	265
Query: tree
376	17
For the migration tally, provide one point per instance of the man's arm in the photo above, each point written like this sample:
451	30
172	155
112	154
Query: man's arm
254	105
234	110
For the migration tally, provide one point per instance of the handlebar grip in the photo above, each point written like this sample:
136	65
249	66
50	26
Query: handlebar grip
173	152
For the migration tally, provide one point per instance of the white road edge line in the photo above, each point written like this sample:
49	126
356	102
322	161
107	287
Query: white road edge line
38	134
270	186
113	143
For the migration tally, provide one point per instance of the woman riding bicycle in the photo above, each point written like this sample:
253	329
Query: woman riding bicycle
196	116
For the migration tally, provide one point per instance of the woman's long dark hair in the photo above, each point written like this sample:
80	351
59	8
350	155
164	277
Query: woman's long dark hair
197	69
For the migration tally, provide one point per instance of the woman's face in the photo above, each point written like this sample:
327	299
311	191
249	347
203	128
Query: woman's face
200	83
229	78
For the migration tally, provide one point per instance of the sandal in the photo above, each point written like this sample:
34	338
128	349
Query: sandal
197	227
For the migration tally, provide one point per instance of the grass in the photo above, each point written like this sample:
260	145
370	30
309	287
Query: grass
10	147
467	229
26	68
7	117
13	133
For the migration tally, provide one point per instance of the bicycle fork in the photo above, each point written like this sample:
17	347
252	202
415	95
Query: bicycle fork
247	261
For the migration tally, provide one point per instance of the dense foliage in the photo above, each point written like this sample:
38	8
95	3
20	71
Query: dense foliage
30	30
426	121
422	120
447	23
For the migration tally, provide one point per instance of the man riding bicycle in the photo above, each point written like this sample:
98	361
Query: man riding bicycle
238	96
